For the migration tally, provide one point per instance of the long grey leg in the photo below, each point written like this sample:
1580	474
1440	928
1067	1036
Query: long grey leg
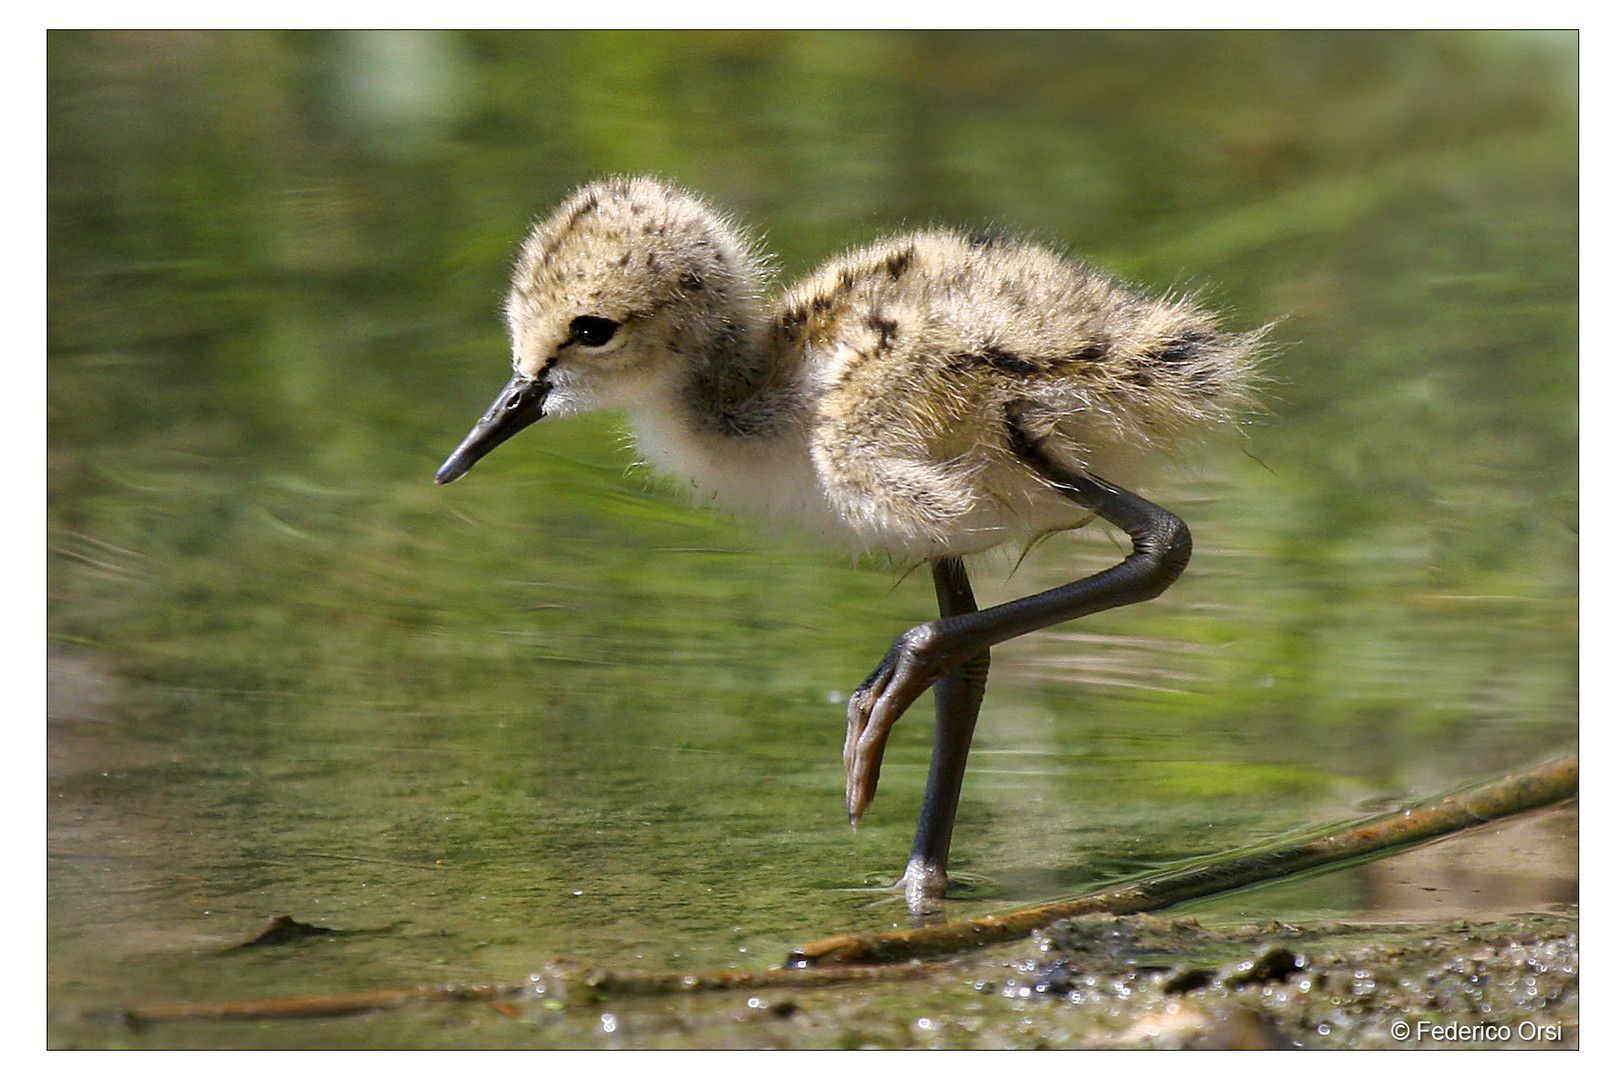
958	703
930	652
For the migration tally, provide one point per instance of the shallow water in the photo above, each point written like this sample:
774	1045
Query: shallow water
555	710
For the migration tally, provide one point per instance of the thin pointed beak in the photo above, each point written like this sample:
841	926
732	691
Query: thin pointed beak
519	405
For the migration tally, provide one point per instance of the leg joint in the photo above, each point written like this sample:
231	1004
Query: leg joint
1166	539
1166	546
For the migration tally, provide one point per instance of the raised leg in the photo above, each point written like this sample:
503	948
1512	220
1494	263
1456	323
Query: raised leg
928	654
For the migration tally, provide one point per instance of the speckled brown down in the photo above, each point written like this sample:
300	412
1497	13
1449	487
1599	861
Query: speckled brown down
930	396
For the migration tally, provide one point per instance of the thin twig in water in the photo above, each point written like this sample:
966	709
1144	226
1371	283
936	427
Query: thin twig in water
1512	794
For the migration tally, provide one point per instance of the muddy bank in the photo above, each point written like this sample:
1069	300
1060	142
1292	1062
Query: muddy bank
1148	982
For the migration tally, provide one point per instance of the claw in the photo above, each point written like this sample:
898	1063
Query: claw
865	748
878	704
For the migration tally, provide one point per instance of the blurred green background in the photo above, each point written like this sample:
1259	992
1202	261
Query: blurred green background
555	710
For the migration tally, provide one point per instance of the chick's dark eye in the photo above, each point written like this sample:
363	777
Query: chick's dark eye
592	330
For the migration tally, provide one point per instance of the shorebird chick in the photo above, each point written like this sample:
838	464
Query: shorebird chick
930	396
